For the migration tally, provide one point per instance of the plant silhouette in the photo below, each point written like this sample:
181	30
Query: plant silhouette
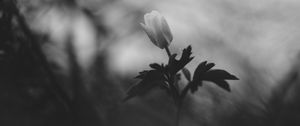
166	76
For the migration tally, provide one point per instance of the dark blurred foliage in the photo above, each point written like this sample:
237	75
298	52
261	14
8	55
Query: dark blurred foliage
26	94
30	92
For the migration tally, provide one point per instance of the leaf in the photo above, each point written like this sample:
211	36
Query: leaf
186	73
222	83
219	74
151	79
142	74
201	69
204	73
218	77
194	86
155	66
175	65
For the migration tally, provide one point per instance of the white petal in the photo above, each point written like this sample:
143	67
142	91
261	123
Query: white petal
150	33
166	30
155	13
161	41
147	18
152	27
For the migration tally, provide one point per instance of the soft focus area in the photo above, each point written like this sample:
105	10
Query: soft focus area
258	41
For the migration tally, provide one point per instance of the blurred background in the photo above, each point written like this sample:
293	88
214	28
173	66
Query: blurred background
70	62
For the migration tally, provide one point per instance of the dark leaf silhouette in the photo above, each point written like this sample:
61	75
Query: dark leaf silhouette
194	86
155	66
150	79
222	83
219	74
201	69
167	77
175	65
204	73
219	77
142	74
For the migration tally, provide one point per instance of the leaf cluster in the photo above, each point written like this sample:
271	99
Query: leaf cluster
166	77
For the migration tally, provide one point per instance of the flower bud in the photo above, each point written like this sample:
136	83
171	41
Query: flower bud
157	29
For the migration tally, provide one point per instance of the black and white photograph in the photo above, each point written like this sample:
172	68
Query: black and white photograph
149	62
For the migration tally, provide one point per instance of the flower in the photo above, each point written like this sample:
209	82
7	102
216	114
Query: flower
157	29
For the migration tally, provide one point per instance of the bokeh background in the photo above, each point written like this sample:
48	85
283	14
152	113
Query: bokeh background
258	41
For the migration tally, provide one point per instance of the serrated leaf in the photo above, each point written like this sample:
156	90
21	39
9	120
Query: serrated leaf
150	80
186	73
142	74
204	73
218	77
155	66
175	65
187	52
201	69
141	89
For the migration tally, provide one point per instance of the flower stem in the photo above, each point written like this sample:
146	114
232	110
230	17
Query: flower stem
168	51
178	112
176	93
